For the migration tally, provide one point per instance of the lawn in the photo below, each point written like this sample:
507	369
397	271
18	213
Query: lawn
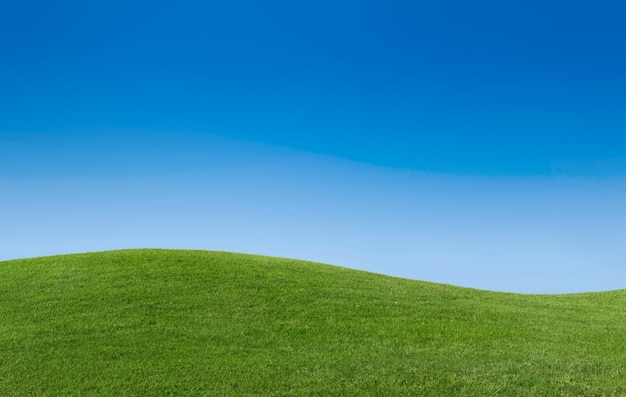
170	322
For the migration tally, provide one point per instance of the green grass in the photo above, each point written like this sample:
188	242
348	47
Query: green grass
161	322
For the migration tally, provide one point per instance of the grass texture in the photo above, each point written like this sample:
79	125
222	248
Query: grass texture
166	322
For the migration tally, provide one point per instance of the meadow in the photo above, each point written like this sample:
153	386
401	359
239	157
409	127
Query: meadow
171	322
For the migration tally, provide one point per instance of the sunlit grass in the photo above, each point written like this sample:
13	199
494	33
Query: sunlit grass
161	322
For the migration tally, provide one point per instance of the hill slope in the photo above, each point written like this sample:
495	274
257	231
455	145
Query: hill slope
161	322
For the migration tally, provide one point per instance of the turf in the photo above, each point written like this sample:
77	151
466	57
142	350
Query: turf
165	322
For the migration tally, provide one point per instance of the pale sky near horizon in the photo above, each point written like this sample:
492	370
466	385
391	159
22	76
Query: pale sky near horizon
478	144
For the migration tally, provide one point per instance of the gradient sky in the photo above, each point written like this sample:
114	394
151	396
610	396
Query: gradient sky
480	144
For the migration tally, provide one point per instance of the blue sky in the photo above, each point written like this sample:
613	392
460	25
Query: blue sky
479	144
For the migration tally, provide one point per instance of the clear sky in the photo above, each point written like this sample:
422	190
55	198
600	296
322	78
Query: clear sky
481	144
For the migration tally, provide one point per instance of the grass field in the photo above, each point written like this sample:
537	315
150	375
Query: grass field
163	322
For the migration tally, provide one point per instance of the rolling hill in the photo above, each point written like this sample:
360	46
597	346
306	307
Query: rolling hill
170	322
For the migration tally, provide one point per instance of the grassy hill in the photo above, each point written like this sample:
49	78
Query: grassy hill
161	322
